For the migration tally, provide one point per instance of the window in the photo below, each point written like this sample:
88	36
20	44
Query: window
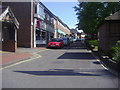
35	8
37	35
38	24
42	25
41	11
52	21
43	36
48	17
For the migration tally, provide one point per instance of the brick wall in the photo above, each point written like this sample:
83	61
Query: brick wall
22	11
9	46
109	34
114	32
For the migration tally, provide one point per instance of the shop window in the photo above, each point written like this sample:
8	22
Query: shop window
43	36
37	35
51	36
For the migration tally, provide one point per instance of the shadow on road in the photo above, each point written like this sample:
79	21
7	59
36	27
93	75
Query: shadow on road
96	62
58	73
77	55
69	72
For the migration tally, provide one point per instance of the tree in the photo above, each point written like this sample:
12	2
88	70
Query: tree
91	14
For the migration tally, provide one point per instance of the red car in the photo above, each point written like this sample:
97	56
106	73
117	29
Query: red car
56	43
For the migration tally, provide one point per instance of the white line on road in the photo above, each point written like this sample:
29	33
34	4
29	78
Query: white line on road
100	62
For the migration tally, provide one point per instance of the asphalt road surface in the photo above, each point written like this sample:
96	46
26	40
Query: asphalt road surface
70	67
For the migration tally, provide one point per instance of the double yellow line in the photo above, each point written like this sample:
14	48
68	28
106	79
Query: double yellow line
36	56
3	52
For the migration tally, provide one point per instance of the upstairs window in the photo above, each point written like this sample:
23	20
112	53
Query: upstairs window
41	11
38	24
35	8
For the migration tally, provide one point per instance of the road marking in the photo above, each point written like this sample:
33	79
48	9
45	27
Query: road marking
42	50
35	57
107	68
100	62
20	63
3	52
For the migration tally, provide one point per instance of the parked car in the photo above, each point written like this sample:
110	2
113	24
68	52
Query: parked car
56	43
66	41
71	39
74	40
78	40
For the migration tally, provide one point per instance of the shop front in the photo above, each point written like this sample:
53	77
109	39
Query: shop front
61	34
43	33
40	33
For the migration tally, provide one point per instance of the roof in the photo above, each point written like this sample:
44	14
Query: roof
8	11
47	9
115	16
60	20
65	25
73	30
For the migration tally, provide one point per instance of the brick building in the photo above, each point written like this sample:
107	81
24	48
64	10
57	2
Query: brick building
109	32
24	12
44	24
8	32
61	29
37	23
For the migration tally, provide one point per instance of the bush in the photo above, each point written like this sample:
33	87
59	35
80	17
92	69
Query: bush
114	52
93	42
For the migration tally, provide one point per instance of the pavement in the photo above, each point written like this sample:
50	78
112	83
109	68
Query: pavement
20	54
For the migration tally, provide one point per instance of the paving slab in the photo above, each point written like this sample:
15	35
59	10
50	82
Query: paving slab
20	54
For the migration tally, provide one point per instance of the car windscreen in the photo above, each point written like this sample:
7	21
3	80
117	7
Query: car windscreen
64	38
55	40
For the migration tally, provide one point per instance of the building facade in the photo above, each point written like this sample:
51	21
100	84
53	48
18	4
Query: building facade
8	32
24	12
43	26
61	29
38	25
109	32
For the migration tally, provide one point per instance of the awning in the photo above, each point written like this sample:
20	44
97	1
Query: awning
61	32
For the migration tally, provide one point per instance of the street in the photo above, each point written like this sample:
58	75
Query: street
69	67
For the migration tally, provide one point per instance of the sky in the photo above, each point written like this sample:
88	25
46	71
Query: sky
64	10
